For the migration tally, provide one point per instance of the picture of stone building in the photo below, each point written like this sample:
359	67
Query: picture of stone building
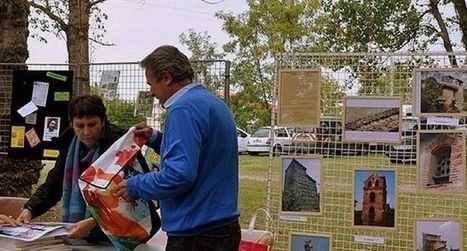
441	161
372	207
438	235
443	91
300	185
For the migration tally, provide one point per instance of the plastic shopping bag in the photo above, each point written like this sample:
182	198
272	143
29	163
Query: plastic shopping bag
127	224
254	239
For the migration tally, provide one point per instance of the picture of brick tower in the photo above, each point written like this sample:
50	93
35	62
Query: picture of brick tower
374	200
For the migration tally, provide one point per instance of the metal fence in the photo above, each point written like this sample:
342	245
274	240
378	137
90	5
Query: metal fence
130	78
362	74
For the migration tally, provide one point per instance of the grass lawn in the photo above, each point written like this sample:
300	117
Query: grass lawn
253	188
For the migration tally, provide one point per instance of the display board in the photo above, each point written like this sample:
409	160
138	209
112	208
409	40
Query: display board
39	112
392	171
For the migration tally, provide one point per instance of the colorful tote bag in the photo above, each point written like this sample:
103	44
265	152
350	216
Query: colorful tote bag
127	224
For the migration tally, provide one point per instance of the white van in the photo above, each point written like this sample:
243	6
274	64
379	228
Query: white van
261	140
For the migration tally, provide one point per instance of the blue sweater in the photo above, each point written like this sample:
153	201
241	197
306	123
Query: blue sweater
198	183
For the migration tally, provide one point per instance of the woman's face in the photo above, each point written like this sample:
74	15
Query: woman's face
88	129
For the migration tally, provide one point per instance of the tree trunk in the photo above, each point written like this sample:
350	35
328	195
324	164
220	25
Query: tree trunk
461	10
77	33
434	10
14	31
16	176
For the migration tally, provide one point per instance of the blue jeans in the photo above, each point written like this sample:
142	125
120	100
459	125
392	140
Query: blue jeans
226	238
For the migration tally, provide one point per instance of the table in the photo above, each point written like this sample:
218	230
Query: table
84	246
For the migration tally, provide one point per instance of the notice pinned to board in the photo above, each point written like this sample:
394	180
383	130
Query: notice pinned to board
17	136
32	137
61	96
56	76
31	118
27	109
50	153
39	93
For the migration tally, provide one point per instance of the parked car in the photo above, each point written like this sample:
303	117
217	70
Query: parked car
262	139
242	139
325	140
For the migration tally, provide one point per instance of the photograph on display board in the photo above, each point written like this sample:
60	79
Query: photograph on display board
301	185
374	198
372	119
440	92
309	242
438	234
441	161
144	103
51	128
299	98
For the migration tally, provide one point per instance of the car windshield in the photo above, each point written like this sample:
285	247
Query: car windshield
261	133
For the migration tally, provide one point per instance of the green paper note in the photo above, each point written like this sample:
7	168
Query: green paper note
56	76
61	96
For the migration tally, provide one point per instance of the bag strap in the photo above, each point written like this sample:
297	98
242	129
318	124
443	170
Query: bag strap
251	226
142	161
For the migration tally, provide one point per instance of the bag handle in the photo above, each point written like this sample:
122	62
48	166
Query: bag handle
251	226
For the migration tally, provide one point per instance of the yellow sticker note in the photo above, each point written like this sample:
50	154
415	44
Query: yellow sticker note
17	136
51	153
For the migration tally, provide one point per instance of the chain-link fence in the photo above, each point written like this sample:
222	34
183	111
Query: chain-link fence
341	213
122	86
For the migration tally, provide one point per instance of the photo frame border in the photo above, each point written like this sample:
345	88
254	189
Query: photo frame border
456	219
416	93
418	154
396	197
281	185
329	236
369	140
279	103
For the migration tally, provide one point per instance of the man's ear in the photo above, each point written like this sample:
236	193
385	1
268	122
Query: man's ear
167	78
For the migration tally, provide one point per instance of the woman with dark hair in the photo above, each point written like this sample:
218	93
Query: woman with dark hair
90	135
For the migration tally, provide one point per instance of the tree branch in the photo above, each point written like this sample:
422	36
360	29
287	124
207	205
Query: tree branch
100	42
443	33
50	14
461	9
92	3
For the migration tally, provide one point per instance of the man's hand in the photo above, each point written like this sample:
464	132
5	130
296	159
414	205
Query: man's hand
79	229
8	220
143	130
121	191
25	216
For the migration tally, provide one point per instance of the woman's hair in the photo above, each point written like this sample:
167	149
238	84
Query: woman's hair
86	105
168	59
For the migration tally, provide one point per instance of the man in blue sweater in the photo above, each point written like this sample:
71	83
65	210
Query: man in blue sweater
197	185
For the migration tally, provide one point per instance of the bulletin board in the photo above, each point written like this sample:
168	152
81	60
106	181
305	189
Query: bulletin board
39	112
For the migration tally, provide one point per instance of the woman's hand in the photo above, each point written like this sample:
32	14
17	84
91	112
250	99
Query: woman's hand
25	216
8	220
79	229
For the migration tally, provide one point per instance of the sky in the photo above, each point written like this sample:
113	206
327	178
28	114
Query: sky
137	27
